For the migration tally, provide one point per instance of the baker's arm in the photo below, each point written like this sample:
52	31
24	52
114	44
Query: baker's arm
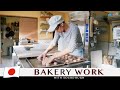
50	47
59	54
55	55
53	43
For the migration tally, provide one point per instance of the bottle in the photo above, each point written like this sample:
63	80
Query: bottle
14	42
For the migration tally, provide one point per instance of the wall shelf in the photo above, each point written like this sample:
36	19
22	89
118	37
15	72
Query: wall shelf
43	31
114	18
44	25
44	16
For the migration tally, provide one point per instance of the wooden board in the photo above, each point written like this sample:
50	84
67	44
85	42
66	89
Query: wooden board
28	28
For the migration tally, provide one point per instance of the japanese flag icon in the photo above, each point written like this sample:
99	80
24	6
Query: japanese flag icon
11	72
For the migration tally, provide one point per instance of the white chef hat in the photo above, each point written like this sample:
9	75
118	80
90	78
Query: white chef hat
54	21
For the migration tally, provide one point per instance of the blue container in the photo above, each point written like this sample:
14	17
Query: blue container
110	14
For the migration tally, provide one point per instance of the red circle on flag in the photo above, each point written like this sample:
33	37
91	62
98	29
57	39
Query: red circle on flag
11	71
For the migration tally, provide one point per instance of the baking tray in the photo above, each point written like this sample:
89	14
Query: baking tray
34	63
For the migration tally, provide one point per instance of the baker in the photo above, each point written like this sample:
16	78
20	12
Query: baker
67	37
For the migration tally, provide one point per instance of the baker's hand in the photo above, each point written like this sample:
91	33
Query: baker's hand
42	56
47	61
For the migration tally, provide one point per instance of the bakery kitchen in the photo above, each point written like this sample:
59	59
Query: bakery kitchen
67	71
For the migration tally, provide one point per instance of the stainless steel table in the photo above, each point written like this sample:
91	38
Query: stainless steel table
27	58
